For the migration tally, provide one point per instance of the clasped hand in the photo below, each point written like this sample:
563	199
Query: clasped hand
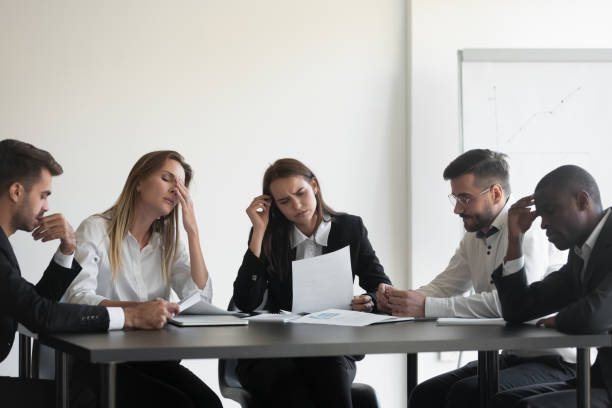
400	302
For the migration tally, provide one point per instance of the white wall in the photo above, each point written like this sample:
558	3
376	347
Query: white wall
439	29
231	84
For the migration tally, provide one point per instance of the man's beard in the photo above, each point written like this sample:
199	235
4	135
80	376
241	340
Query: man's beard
22	220
479	221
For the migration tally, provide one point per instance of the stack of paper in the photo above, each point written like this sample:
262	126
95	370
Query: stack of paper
460	321
282	317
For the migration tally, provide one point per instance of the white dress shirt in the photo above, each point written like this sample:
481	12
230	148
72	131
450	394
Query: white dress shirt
140	277
471	268
309	247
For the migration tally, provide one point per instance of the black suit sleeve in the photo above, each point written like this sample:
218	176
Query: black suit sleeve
56	280
371	273
521	302
23	301
251	282
591	313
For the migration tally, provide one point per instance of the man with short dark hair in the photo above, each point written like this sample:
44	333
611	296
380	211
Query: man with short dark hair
568	201
25	186
480	195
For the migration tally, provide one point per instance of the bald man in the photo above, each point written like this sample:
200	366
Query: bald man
568	201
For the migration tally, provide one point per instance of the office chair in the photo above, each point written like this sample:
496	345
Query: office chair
363	395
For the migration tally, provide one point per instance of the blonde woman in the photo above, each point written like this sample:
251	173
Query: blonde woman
133	253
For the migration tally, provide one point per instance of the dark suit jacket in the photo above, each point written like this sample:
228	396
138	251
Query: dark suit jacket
253	278
582	306
36	307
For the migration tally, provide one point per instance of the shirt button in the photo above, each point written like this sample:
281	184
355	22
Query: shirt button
488	252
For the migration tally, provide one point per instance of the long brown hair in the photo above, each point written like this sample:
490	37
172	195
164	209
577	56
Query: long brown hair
121	214
276	244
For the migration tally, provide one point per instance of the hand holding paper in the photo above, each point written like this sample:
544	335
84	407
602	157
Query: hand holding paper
323	282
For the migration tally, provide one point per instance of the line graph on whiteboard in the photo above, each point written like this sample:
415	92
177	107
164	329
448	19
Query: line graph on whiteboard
541	115
538	115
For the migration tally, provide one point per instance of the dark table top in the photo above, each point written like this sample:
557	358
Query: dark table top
301	340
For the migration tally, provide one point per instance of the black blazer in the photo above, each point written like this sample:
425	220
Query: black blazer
36	307
582	306
254	278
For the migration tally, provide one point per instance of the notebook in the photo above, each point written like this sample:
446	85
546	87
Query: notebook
207	320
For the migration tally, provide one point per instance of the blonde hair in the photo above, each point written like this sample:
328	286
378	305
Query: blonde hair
121	214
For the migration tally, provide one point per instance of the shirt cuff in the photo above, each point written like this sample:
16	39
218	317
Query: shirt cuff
437	307
513	266
63	260
116	318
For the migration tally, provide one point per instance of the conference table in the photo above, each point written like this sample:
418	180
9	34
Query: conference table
263	340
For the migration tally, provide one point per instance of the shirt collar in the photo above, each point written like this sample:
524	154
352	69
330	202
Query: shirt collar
319	237
585	250
498	223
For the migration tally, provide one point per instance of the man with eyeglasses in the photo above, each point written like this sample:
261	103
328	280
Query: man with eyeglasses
481	197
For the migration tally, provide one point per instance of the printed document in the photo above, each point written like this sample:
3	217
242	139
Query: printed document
323	282
337	317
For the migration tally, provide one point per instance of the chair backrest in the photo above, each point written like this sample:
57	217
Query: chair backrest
227	373
230	386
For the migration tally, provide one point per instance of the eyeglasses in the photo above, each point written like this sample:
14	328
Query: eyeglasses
465	200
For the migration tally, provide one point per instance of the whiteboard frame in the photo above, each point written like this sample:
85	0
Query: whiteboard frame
522	55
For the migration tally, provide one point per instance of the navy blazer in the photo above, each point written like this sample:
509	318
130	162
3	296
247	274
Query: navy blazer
36	307
583	306
253	278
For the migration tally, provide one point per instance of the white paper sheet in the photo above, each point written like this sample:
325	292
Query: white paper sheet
460	321
273	317
323	282
338	317
196	305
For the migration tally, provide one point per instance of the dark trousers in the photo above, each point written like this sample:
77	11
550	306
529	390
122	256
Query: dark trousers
26	393
139	384
459	388
558	395
299	382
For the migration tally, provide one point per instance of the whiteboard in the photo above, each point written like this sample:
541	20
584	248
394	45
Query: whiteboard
542	107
